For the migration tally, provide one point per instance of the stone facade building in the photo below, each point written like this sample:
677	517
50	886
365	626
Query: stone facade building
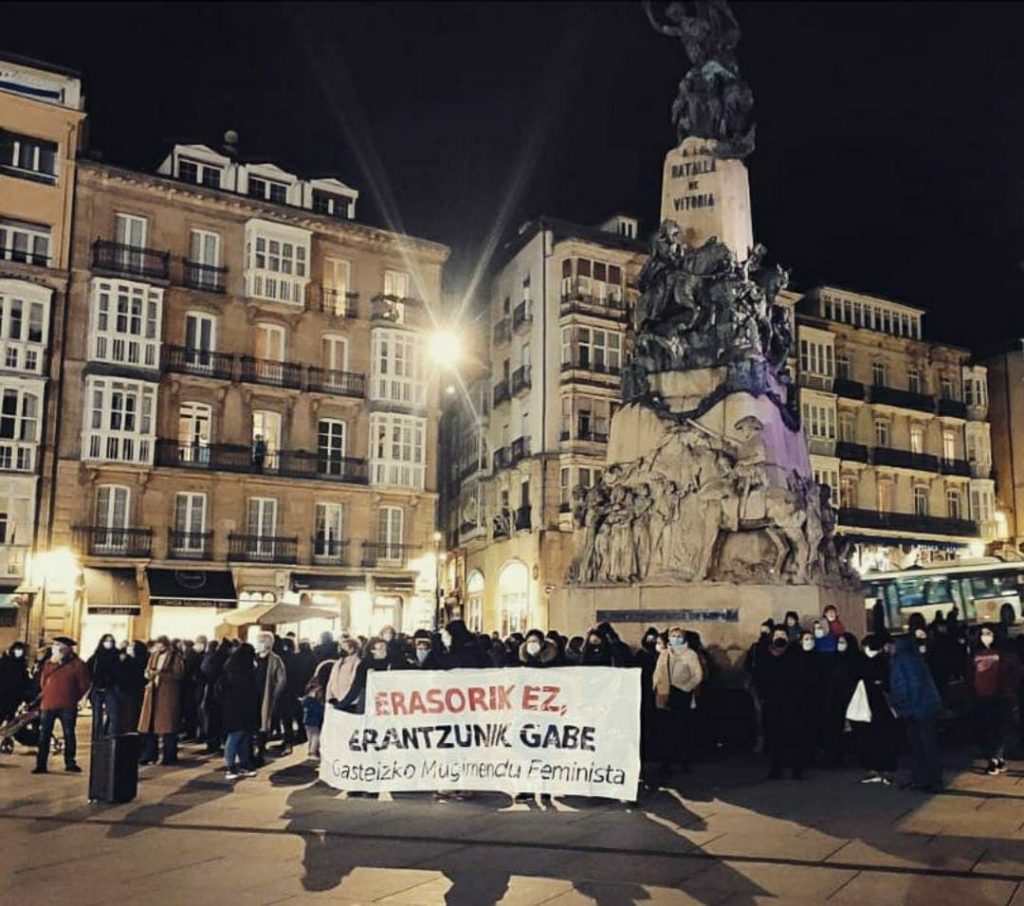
897	426
1006	411
41	129
247	414
538	425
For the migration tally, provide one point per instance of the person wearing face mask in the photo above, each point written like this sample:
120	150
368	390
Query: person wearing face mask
677	674
423	655
192	689
756	653
596	652
340	677
824	641
833	624
879	738
63	682
461	647
792	626
537	651
783	685
376	658
915	699
106	671
839	677
160	715
647	659
994	673
240	704
15	686
271	682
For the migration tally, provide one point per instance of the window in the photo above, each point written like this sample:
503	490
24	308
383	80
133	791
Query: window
19	429
881	433
885	495
195	171
946	388
879	374
200	330
982	505
819	421
847	427
330	204
975	392
328	530
330	447
337	281
567	278
28	243
335	351
276	262
475	603
120	422
189	522
266	425
587	477
112	522
125	323
203	267
396	450
920	501
914	380
916	439
843	366
268	190
396	283
816	358
848	492
389	532
564	488
583	286
829	478
23	326
954	503
194	421
28	158
948	445
262	527
269	342
397	368
598	350
130	230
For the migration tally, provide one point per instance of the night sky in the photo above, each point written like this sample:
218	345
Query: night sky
890	152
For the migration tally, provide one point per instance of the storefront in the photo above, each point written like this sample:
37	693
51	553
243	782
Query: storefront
331	592
186	603
111	605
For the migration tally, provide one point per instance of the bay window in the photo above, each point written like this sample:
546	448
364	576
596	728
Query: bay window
397	450
24	310
119	424
19	429
28	243
124	325
397	368
276	262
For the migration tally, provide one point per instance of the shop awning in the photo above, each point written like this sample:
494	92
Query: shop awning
192	587
327	582
394	583
111	591
275	614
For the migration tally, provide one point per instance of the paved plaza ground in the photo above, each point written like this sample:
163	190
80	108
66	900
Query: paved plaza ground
725	837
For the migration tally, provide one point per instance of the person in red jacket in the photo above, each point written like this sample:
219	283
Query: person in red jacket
995	678
64	681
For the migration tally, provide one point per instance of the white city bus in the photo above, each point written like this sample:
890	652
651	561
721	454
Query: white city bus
983	591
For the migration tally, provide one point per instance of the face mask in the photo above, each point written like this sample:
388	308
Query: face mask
18	652
199	649
422	654
533	648
649	642
986	639
869	653
841	646
677	642
57	654
263	647
380	652
819	633
779	644
807	644
108	644
446	638
922	648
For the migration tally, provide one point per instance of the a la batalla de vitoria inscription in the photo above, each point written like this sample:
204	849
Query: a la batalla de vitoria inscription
695	199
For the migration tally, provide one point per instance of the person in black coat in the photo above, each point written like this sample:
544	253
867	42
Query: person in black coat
651	646
239	695
15	686
839	675
105	669
212	668
880	739
327	649
784	681
424	656
461	648
376	658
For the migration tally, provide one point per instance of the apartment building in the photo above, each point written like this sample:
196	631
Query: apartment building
247	413
41	129
538	423
1006	413
897	427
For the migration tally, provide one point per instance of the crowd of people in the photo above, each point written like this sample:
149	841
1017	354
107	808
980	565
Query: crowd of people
814	696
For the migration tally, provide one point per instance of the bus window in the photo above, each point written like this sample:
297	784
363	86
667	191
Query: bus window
920	591
984	587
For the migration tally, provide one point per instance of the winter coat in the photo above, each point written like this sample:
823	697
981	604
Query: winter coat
63	684
313	711
912	690
15	684
663	674
105	668
161	701
354	699
273	688
875	673
239	697
546	657
786	687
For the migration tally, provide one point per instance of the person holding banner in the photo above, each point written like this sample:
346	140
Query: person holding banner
461	648
424	657
377	659
537	651
677	674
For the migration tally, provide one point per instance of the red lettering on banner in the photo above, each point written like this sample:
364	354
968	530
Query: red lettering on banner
398	703
455	701
477	698
380	704
531	698
435	701
504	697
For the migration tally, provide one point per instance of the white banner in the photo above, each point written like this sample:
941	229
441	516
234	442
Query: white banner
565	730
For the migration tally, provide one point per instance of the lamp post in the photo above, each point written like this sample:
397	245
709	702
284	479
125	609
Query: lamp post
437	581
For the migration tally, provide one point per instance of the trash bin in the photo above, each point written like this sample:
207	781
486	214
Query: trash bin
114	768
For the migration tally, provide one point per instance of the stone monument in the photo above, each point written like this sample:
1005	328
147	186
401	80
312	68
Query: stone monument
707	514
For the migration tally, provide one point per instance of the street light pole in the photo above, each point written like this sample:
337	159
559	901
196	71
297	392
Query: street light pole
437	581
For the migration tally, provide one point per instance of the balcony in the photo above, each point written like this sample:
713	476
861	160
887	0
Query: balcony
521	379
586	432
980	469
502	331
952	408
274	286
330	551
104	541
324	466
262	548
977	412
239	458
520	449
522	315
17	457
501	525
501	393
335	302
12	561
955	467
904	459
851	452
214	457
271	373
189	545
502	458
130	260
396	310
523	522
907	522
594	369
340	383
204	277
23	255
904	399
821	446
203	362
853	390
609	309
816	381
384	554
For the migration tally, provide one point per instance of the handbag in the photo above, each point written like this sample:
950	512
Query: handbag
858	710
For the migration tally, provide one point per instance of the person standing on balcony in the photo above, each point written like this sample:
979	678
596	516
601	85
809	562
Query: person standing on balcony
259	452
63	682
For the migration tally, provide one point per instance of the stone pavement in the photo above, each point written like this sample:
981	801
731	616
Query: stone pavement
724	837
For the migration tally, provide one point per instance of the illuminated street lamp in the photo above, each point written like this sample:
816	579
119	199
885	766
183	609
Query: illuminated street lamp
444	346
53	569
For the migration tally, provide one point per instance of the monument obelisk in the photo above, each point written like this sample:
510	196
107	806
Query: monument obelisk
707	515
